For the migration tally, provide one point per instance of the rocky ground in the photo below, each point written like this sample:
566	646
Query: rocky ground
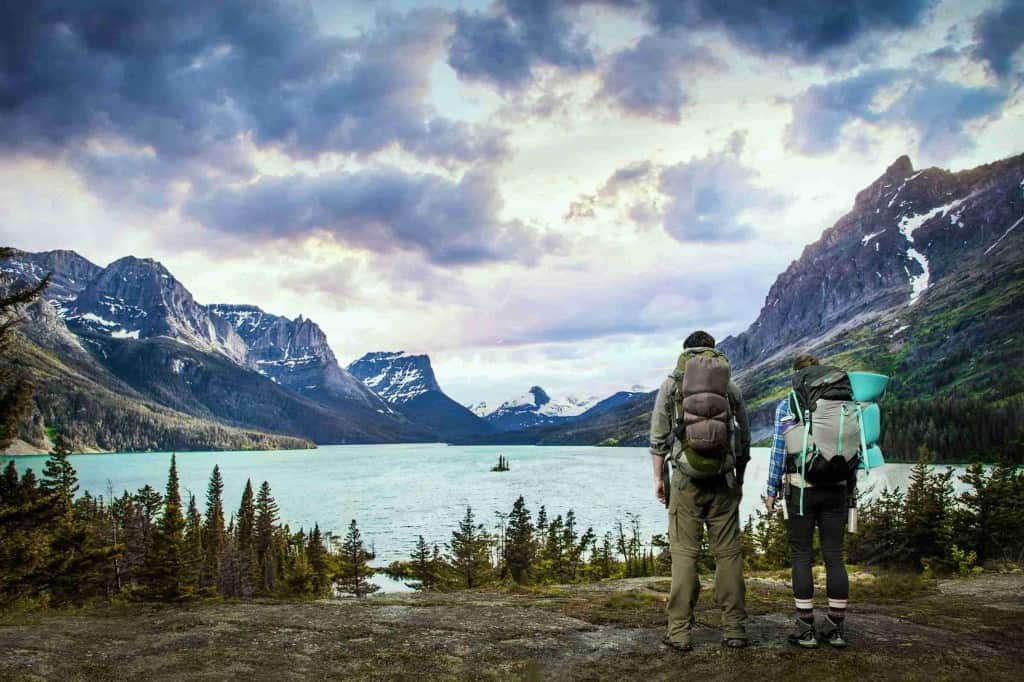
902	628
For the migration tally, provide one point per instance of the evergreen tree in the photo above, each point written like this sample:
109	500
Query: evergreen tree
469	551
317	554
194	541
423	565
76	559
245	534
25	515
991	512
355	568
169	570
520	548
266	521
928	512
60	481
214	535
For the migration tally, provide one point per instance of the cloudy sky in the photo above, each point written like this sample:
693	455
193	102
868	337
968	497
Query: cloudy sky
533	192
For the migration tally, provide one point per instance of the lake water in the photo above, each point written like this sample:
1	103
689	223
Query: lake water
398	492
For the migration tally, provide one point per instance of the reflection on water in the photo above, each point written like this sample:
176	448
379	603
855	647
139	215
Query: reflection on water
398	492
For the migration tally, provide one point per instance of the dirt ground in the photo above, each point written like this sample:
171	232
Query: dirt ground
901	628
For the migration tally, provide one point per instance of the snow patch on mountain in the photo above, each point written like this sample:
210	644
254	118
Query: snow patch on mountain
397	377
907	226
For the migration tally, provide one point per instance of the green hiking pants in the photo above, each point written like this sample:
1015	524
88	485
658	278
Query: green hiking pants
712	503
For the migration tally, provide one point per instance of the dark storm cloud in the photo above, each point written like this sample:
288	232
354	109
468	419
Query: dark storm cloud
999	34
938	110
707	197
649	79
802	29
382	210
504	45
193	80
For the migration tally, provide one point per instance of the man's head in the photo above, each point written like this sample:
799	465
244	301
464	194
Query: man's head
803	360
699	339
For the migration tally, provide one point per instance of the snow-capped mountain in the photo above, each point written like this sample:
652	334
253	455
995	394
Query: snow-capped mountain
532	408
295	354
151	355
408	383
397	377
906	232
71	272
137	298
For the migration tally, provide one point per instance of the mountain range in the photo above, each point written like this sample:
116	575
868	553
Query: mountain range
124	358
407	382
537	408
923	279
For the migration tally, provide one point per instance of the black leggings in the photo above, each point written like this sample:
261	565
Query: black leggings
826	508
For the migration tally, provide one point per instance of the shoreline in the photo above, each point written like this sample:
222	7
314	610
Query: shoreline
41	452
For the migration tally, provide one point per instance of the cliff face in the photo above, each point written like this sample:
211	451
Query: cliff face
136	298
907	231
408	383
296	355
71	272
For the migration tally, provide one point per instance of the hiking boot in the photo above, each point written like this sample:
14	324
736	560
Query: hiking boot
804	636
835	633
682	647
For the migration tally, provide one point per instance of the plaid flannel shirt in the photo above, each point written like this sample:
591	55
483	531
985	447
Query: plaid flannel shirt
777	461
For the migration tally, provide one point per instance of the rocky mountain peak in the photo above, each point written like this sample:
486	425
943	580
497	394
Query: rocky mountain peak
906	232
295	354
396	376
900	168
540	397
71	272
138	298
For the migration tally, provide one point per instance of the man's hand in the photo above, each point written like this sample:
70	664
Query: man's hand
659	488
769	503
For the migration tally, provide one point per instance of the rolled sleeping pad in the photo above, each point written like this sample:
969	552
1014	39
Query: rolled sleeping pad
867	386
874	458
872	423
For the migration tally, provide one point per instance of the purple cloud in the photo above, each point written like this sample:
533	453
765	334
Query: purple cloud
382	210
937	109
505	45
191	82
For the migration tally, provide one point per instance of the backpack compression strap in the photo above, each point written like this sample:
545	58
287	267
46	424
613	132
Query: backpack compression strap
863	442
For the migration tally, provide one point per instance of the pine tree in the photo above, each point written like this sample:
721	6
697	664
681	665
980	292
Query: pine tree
169	571
520	548
928	512
355	567
16	386
194	542
245	529
423	565
214	535
266	521
25	518
77	558
60	481
317	554
469	551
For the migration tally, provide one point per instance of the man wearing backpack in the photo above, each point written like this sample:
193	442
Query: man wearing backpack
700	424
823	503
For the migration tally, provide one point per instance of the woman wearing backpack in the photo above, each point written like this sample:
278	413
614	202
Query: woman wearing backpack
824	506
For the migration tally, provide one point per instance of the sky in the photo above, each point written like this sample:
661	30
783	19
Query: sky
533	193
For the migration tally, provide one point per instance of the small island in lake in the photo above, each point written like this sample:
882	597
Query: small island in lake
502	464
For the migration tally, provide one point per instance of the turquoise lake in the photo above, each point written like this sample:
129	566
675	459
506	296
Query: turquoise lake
398	492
